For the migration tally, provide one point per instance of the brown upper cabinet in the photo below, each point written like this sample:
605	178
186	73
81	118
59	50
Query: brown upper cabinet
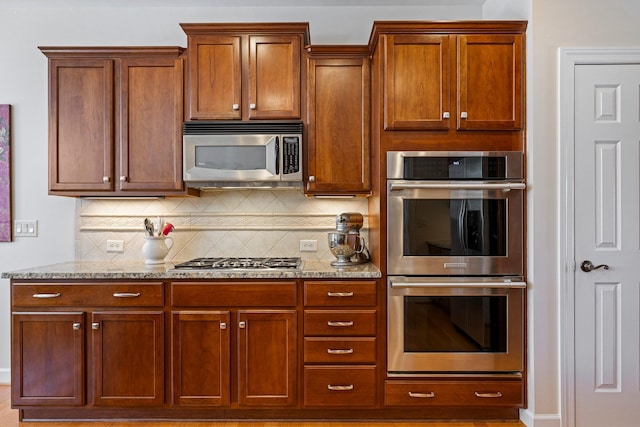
244	71
464	75
338	140
115	117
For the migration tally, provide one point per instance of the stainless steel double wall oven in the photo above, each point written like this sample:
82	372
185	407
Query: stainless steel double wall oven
455	264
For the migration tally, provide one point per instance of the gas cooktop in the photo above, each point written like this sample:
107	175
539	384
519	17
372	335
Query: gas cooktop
240	264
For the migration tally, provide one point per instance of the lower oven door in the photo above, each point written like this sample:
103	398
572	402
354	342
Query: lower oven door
455	325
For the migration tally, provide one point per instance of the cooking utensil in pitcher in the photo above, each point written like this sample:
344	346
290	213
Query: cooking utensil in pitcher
148	225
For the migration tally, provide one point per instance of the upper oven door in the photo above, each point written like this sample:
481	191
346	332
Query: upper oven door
454	228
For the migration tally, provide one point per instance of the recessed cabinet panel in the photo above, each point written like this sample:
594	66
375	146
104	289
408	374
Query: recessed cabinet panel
416	82
201	357
150	131
80	124
339	124
490	82
128	358
215	77
47	366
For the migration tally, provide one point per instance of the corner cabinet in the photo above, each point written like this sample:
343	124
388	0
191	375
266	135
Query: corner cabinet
120	110
245	71
338	139
465	76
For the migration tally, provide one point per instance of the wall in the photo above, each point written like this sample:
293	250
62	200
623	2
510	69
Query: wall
566	23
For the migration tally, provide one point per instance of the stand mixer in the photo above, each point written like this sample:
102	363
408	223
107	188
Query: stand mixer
345	243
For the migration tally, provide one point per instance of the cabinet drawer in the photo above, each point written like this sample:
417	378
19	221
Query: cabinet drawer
337	293
331	350
340	322
453	393
340	386
109	294
233	294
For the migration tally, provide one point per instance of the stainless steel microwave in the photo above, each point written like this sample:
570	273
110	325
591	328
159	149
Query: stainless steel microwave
217	153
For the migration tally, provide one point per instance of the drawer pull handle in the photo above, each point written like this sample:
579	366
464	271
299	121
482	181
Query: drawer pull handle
126	294
340	387
76	326
95	325
488	395
340	324
340	351
429	395
339	294
54	295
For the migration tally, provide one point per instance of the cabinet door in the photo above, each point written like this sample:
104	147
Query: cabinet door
416	82
150	124
339	123
215	78
201	358
274	77
490	82
81	124
128	358
267	357
47	365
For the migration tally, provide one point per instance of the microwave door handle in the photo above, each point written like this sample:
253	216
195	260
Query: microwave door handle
277	155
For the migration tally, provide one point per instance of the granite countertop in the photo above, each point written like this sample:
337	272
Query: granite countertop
126	270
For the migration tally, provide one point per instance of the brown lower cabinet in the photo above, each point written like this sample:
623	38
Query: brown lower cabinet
119	354
224	349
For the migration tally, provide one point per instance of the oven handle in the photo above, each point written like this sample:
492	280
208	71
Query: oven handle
504	186
400	283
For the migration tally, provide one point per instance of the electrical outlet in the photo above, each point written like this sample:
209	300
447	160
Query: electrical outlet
25	228
308	245
115	246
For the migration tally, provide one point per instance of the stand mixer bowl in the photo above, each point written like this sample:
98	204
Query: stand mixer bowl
340	248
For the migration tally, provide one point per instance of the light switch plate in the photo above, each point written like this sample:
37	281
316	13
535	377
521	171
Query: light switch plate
25	228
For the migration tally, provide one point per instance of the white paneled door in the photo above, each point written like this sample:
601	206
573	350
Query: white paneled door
607	245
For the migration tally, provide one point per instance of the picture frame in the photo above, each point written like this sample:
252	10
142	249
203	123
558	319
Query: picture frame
5	173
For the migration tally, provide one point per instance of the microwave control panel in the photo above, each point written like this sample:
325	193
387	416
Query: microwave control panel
290	155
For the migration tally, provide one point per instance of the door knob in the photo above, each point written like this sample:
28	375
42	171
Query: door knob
587	266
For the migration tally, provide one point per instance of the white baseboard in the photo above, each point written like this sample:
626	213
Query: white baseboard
540	420
5	376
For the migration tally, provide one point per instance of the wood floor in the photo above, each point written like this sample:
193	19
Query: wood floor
9	418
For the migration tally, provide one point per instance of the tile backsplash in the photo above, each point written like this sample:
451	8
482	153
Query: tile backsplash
224	223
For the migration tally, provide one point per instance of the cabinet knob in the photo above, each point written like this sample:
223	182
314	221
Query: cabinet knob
223	325
252	106
445	115
242	325
123	178
106	179
463	115
235	107
76	326
312	178
95	325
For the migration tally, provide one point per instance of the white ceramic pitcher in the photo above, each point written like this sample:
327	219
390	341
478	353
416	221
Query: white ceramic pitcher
155	249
